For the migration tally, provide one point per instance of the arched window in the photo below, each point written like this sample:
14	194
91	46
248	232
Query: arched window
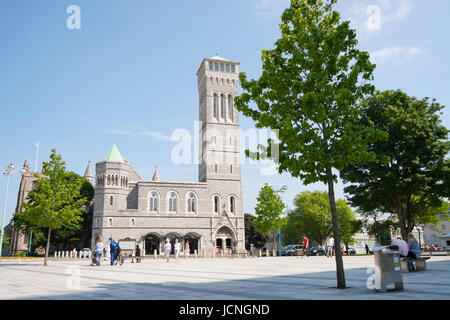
173	202
97	222
216	204
232	204
230	107
132	224
111	200
117	180
109	179
154	202
110	222
192	206
216	107
222	106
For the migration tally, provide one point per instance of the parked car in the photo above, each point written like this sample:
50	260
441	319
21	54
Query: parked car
87	250
316	251
351	250
289	250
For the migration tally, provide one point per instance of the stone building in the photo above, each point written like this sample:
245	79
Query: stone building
208	213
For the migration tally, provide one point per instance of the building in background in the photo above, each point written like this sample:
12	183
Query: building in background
208	213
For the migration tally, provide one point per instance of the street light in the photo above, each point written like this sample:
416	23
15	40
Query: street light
7	173
281	190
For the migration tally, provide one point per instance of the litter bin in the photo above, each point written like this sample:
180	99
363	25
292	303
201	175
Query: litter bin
387	268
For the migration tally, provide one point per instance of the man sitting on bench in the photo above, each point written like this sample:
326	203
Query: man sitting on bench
403	247
414	248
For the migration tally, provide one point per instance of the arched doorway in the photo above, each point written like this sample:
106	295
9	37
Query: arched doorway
172	236
193	242
224	239
152	241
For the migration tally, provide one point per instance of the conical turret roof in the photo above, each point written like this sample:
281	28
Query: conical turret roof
88	172
114	155
156	174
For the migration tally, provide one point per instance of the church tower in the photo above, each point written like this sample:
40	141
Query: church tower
217	80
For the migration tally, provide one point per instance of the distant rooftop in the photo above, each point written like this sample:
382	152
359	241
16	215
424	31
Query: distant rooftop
216	57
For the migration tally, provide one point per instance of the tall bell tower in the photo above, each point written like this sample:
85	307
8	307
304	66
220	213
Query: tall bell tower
217	80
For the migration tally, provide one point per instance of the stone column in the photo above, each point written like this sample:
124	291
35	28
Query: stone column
195	253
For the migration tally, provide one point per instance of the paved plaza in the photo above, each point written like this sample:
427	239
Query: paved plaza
203	279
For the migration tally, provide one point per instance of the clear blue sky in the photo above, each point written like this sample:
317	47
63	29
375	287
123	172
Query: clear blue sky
128	75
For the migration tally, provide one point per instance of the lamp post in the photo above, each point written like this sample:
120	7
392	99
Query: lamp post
281	190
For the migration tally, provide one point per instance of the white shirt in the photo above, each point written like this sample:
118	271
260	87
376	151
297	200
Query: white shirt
167	246
330	242
99	247
177	247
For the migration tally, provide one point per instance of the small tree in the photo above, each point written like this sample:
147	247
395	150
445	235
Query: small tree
56	200
251	235
310	89
269	209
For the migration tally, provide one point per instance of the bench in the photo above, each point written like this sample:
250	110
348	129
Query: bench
407	264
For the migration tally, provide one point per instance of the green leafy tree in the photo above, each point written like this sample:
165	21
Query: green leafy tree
381	229
413	173
56	200
251	235
312	217
309	90
269	210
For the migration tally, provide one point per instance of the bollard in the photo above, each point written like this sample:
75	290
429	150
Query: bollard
55	254
204	254
155	253
260	253
195	253
245	254
230	255
214	253
221	254
89	255
79	254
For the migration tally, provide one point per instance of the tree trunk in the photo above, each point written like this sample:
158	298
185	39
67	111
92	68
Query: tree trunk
337	239
47	247
401	220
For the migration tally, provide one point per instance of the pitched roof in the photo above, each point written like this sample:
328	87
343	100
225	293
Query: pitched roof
114	155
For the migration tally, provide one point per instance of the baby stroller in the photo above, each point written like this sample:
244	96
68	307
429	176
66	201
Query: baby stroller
94	261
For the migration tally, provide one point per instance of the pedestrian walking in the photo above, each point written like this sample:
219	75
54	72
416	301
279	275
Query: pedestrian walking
98	250
176	249
186	250
330	246
367	249
305	245
167	249
114	251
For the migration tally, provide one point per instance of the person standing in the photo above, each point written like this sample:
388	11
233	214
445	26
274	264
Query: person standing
305	245
98	250
114	250
367	249
176	249
167	249
186	250
330	245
